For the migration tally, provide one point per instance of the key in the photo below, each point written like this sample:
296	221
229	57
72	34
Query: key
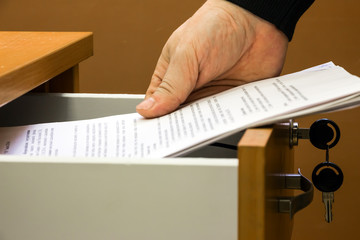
327	177
322	132
328	199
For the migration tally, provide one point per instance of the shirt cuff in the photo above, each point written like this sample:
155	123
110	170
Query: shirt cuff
284	14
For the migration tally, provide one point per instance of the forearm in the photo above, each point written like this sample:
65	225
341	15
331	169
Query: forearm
284	14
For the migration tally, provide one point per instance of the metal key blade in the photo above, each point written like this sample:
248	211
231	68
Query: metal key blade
328	199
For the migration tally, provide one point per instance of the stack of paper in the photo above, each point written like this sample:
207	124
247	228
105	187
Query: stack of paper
322	88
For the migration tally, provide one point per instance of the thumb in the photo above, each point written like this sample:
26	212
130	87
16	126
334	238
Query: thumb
177	84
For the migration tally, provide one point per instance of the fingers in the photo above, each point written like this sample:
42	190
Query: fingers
158	104
165	94
156	79
213	87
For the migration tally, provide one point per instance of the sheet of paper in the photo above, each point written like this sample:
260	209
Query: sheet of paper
318	89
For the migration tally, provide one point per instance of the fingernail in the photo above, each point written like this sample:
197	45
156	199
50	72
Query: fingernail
146	104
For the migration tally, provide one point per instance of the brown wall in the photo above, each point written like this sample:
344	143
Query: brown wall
330	30
129	36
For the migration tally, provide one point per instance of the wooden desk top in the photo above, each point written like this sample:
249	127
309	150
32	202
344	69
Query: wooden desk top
28	59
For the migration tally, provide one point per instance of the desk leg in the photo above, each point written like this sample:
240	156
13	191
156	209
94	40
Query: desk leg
66	82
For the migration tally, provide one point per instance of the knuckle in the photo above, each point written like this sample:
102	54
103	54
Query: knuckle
166	88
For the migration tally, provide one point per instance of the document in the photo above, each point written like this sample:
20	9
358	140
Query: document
322	88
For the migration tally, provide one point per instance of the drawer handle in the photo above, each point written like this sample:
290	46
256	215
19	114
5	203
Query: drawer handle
294	204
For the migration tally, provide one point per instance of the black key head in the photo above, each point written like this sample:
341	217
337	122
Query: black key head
322	133
327	177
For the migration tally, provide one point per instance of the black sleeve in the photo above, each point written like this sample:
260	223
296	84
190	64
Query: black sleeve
284	14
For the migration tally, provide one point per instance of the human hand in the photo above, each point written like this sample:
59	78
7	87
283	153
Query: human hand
219	47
